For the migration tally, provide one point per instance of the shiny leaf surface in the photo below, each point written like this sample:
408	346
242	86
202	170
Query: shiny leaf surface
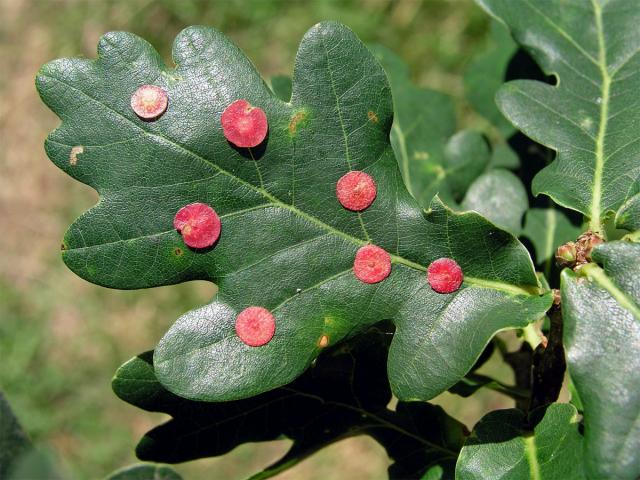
286	244
601	310
501	446
499	196
590	117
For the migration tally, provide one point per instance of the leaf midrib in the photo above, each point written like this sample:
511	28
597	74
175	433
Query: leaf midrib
595	222
597	275
531	453
595	209
511	288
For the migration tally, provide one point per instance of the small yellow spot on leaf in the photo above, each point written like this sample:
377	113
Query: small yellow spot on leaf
296	119
419	155
323	342
73	156
373	117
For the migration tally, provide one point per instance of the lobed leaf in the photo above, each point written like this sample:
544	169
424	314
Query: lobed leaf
589	118
501	446
286	244
344	394
601	312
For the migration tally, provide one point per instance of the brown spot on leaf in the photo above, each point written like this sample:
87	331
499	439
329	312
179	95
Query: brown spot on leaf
73	156
373	117
296	119
323	342
63	247
177	252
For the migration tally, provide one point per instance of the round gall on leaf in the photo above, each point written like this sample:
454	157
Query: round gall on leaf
444	275
255	326
149	102
198	224
244	125
372	264
356	191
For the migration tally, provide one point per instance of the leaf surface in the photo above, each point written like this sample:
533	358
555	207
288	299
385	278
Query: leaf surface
501	447
499	196
281	86
590	117
628	216
286	244
601	312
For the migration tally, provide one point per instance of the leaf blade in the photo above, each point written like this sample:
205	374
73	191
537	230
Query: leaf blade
590	108
603	303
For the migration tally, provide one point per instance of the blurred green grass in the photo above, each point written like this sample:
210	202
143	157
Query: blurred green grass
61	339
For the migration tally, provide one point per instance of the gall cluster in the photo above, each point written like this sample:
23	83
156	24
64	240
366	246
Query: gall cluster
246	126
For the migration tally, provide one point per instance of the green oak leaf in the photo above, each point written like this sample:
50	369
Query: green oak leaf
145	471
589	118
499	196
501	447
548	228
286	244
601	312
281	86
344	394
486	73
628	216
13	440
503	156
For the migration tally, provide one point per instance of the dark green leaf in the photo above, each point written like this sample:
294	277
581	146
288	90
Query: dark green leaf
431	447
601	313
344	394
501	447
590	117
282	87
548	228
499	196
628	215
286	243
13	439
145	471
485	74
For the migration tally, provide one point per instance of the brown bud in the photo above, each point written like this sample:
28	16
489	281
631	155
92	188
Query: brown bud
592	242
566	255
